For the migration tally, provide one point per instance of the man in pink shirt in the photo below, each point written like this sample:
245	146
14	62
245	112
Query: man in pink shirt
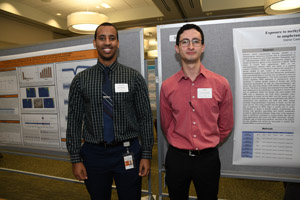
196	113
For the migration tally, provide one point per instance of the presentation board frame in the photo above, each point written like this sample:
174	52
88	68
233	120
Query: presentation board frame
218	53
131	53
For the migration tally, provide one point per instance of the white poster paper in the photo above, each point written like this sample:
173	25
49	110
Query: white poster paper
8	85
65	72
10	133
40	130
9	109
267	128
36	75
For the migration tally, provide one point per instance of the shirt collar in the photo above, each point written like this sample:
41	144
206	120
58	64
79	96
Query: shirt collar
112	67
180	75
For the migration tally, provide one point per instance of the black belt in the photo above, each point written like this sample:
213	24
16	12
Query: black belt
194	152
115	143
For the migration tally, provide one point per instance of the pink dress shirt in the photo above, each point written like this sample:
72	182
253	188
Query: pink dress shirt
189	121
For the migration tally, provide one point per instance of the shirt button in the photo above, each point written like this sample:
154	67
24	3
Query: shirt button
193	110
193	97
193	83
194	122
195	136
196	148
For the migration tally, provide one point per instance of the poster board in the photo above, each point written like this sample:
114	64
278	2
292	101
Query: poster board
34	88
219	57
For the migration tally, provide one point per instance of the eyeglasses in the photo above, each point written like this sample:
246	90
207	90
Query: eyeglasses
186	42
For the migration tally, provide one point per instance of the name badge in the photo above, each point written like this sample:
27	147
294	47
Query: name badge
204	93
121	87
128	161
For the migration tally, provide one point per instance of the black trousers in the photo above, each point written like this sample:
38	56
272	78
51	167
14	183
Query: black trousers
104	165
202	169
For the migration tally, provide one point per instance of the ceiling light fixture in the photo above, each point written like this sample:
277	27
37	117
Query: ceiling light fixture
105	5
85	22
282	6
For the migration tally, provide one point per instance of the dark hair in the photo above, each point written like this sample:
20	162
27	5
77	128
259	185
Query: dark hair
188	27
106	24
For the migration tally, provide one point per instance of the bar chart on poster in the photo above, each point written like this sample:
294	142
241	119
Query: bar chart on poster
36	75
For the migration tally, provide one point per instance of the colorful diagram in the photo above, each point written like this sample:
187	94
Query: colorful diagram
38	99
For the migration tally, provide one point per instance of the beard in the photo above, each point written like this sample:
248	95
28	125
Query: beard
105	56
109	58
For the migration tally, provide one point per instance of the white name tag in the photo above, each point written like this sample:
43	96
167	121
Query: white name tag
121	87
204	93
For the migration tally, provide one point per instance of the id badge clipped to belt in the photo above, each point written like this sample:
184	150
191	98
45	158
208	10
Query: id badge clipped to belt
128	157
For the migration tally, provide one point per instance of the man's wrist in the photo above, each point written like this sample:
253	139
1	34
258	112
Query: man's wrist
147	155
76	158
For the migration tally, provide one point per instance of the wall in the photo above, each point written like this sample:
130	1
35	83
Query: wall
15	33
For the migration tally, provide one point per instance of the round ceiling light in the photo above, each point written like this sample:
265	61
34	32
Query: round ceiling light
282	6
85	22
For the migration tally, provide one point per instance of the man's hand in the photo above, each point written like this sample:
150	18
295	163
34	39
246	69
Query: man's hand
79	171
144	167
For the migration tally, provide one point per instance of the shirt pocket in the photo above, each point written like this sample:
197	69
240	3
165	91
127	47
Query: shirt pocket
123	98
209	105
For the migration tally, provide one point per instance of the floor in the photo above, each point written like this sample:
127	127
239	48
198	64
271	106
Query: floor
53	179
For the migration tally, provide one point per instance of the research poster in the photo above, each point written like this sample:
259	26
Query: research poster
34	95
9	109
10	129
9	106
267	97
40	130
8	83
66	71
36	75
10	133
40	99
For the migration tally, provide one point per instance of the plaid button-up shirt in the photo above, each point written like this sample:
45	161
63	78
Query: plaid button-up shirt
132	114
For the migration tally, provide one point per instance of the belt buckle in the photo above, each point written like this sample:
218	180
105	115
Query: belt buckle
191	153
107	145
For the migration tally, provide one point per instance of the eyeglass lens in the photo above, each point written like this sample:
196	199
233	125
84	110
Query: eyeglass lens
195	42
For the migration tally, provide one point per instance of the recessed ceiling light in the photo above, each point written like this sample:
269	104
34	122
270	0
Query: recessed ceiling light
105	5
58	14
